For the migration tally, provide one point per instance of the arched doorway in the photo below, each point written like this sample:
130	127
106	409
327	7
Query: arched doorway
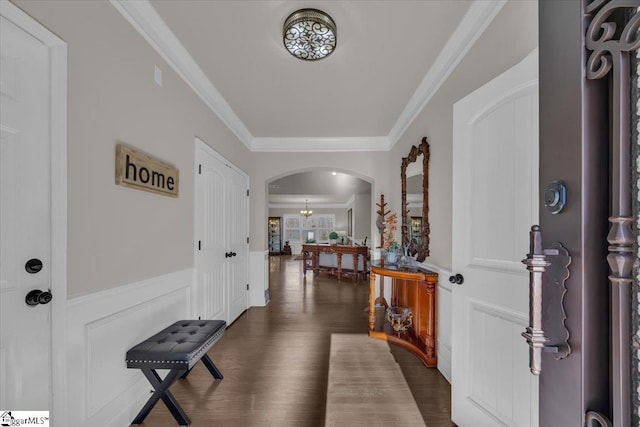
339	200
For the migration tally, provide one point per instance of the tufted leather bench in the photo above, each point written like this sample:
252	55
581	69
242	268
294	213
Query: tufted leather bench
177	348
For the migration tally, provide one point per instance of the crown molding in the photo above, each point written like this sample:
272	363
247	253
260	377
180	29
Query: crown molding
302	144
297	206
471	27
144	19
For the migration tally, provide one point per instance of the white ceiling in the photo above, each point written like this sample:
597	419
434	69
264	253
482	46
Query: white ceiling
384	50
320	188
391	56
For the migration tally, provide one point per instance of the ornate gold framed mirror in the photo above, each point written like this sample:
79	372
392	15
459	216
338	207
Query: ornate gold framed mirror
414	174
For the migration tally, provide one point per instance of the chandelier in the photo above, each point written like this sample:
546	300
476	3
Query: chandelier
306	212
309	34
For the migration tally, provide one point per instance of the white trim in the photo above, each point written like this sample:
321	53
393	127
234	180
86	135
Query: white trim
199	143
346	205
144	18
319	145
59	231
259	278
443	348
102	327
58	138
473	24
202	147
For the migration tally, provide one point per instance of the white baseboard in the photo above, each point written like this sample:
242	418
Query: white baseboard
444	319
102	326
259	278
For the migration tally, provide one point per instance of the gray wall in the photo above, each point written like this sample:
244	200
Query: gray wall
361	215
266	167
512	36
118	235
362	207
340	213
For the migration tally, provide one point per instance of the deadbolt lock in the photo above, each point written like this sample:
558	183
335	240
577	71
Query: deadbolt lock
555	196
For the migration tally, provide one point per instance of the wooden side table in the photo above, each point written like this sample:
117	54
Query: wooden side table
415	289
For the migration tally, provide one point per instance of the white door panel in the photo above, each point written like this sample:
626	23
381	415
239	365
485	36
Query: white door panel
494	203
238	232
210	260
25	218
221	236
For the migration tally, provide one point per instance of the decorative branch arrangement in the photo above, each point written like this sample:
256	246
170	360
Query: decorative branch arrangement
380	221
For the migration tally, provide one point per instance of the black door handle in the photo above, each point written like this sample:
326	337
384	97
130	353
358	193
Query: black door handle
233	254
37	296
457	279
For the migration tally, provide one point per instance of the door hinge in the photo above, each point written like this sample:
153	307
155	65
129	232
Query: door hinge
247	240
247	193
199	169
247	286
199	245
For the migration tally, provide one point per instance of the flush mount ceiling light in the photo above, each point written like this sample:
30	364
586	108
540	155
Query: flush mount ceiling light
309	34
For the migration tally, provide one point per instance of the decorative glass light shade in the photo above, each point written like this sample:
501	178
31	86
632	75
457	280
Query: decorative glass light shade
309	34
306	212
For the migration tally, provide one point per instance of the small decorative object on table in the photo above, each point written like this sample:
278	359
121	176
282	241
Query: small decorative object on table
392	253
407	261
400	318
333	238
389	239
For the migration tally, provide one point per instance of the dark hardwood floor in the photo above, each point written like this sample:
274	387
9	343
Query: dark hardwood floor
275	360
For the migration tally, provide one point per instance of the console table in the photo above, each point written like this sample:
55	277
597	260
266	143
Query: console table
411	288
336	259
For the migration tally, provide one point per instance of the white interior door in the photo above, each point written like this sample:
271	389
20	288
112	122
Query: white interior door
495	191
237	226
25	219
211	217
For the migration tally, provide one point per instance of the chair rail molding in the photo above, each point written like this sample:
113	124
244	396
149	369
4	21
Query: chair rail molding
102	326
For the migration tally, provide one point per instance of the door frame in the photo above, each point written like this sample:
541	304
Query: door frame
200	144
58	181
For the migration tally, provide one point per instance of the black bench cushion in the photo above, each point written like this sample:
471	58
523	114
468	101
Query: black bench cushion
182	343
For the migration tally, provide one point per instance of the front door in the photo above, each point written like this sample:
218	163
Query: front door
25	220
495	164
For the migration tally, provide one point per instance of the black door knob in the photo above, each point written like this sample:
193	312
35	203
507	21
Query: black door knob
458	279
233	254
33	266
37	296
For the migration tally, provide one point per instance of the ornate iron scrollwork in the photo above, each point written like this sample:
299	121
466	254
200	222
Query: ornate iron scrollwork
606	49
613	32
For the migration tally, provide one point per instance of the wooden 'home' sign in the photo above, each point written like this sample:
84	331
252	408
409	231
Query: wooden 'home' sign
143	172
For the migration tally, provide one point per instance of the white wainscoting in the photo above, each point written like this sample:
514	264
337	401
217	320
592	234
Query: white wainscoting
444	319
258	278
102	326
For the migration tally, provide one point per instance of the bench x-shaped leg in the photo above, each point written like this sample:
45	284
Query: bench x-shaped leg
162	392
215	372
